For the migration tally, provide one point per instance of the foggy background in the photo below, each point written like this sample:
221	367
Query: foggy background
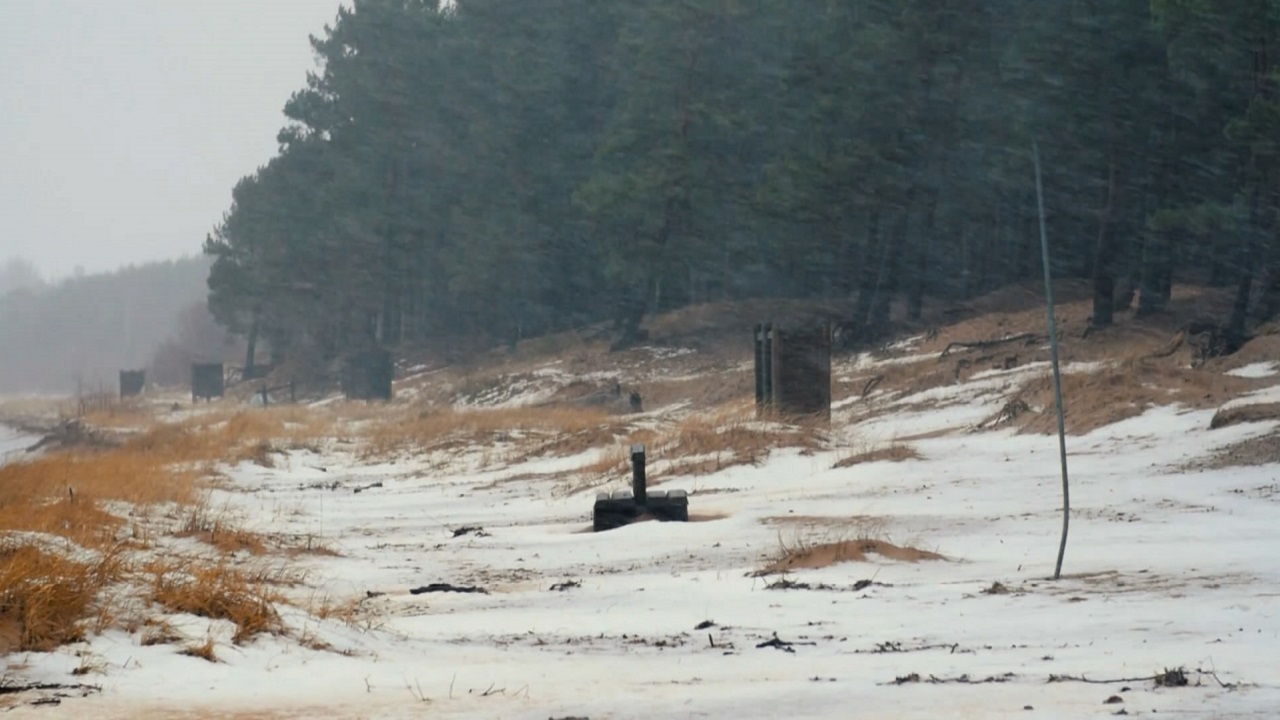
125	125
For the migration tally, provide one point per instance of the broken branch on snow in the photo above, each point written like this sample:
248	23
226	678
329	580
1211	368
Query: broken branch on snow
982	344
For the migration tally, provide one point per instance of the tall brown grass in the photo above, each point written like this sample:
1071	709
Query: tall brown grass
220	591
894	452
89	495
731	435
45	597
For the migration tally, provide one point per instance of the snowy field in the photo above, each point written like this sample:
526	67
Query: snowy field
13	443
1165	569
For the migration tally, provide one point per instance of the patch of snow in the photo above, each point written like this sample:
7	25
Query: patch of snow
1270	394
869	360
1254	370
906	343
666	353
13	443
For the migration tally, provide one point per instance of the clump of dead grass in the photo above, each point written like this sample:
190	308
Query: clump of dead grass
325	607
158	632
217	528
802	554
246	597
895	452
46	596
731	435
203	650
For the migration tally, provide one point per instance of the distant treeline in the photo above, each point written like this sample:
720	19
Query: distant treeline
503	168
79	332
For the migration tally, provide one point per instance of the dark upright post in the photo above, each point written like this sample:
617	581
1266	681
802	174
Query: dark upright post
759	346
637	474
770	340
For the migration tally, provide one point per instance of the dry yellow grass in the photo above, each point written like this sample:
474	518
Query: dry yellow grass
45	597
217	528
119	413
221	591
615	457
890	453
529	431
702	443
158	632
81	494
1123	390
801	555
203	650
64	493
727	436
327	608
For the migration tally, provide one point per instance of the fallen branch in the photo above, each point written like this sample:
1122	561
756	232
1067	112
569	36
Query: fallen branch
897	647
871	384
1112	681
1177	677
8	688
446	587
959	679
982	344
783	645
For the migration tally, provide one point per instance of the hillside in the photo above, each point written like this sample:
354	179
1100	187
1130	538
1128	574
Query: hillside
434	554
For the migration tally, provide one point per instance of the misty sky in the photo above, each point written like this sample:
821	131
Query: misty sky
125	123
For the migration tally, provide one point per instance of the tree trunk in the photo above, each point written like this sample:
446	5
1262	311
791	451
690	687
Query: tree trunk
920	262
887	276
871	254
1104	284
1154	285
841	276
1270	301
251	347
1244	281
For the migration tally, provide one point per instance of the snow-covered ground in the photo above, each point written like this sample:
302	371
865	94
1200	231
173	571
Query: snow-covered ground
1164	569
1254	370
13	442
